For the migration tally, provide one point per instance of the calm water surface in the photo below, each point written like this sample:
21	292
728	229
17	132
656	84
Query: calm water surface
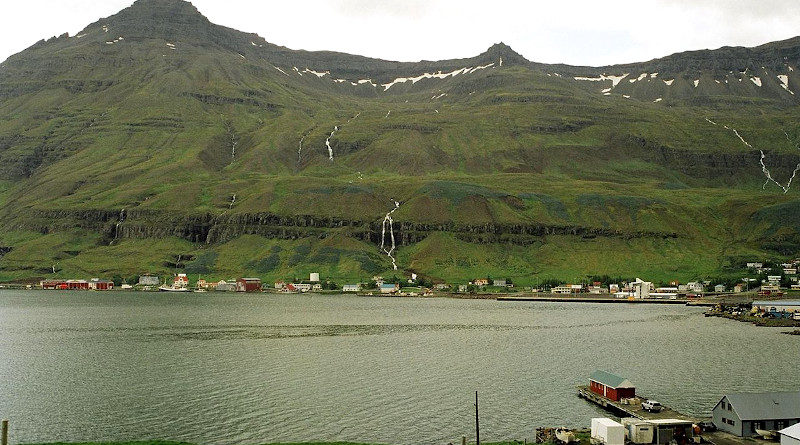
223	369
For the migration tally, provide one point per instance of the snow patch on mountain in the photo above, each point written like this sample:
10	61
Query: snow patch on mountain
437	75
785	82
756	80
669	82
316	73
615	80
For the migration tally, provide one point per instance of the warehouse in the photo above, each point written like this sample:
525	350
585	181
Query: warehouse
611	386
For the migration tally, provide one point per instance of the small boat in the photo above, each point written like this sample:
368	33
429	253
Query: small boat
173	288
199	290
566	435
767	434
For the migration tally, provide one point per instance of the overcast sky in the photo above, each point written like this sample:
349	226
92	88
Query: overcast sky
574	31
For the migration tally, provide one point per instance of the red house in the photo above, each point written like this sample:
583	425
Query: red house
54	284
77	285
611	386
98	284
248	285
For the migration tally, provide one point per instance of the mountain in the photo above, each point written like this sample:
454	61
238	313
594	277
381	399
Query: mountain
155	140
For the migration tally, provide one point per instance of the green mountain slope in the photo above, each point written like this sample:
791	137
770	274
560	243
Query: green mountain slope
155	140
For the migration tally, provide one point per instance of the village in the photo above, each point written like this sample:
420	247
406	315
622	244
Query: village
767	281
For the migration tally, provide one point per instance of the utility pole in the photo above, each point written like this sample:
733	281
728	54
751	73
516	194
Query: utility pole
477	424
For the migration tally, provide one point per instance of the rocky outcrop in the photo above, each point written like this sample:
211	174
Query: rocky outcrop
213	229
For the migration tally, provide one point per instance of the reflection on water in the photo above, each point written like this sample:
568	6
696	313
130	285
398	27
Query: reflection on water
222	368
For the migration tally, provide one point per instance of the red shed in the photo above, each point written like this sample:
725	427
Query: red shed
248	285
611	386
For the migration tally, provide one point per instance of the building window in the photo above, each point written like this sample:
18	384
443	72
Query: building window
729	407
731	422
756	426
724	420
779	425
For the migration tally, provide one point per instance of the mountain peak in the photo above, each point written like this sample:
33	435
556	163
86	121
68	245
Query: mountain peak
168	19
506	52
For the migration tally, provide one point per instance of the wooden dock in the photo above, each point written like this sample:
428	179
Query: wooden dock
631	409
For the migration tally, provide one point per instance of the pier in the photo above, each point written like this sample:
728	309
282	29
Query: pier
602	299
632	407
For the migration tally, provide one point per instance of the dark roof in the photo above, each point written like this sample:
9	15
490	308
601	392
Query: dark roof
610	380
766	405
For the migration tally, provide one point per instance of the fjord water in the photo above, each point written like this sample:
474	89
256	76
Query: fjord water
232	368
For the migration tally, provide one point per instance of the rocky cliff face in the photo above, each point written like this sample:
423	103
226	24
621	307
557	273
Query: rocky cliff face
214	229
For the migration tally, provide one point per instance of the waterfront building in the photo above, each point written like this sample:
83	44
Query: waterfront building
389	288
302	287
149	280
741	414
181	280
351	288
98	284
694	286
611	386
77	285
248	285
53	284
313	277
777	305
790	435
224	286
719	288
642	289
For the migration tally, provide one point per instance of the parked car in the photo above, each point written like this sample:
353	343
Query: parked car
652	406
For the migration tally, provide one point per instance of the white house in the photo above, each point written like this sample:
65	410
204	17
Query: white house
561	290
790	435
351	288
149	280
313	277
719	288
755	265
302	287
641	289
695	286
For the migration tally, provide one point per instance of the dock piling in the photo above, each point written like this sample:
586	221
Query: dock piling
4	439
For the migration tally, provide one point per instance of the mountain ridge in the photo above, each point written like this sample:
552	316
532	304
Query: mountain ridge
155	134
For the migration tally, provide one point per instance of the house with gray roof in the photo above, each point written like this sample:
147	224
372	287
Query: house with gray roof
741	414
